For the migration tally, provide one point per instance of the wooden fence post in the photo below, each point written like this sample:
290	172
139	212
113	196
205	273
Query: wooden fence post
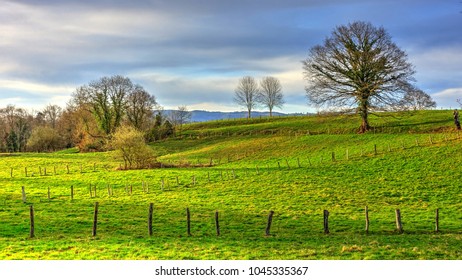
23	190
217	224
333	156
268	226
298	162
151	210
95	219
67	167
188	220
437	220
11	172
72	192
287	162
49	194
326	221
25	170
375	149
32	222
366	212
399	225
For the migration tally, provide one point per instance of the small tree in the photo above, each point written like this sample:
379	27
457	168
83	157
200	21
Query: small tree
270	94
246	94
131	148
161	129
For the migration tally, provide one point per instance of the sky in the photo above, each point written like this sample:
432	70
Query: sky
193	53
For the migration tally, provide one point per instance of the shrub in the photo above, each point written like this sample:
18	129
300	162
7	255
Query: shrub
130	146
44	139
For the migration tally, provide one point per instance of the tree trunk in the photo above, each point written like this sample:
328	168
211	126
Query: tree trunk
248	114
363	112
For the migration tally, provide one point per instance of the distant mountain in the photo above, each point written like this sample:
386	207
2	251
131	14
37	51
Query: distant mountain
203	116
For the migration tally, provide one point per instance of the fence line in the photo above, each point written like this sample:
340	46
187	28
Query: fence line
349	154
323	223
232	174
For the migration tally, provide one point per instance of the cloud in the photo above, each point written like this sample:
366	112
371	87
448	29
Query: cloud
193	52
448	98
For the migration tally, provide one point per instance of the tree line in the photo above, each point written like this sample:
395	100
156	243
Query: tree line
91	118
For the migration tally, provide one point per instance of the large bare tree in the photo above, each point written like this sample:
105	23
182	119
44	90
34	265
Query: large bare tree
270	94
246	94
360	67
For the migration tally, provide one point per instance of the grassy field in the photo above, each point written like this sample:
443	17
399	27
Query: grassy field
296	167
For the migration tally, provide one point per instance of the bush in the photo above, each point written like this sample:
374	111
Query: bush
44	139
131	148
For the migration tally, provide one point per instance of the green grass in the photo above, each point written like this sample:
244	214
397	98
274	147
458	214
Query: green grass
414	168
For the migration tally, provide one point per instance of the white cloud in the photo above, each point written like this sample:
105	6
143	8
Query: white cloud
448	98
35	88
438	68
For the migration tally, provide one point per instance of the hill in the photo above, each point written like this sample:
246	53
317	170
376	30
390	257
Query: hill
204	116
243	169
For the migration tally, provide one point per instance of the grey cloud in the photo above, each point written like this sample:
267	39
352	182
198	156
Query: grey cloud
198	42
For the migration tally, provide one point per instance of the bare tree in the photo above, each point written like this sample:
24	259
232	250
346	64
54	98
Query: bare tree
417	99
180	116
270	94
246	94
358	66
140	108
51	114
16	128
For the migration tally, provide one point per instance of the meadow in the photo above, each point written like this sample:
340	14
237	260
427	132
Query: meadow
243	169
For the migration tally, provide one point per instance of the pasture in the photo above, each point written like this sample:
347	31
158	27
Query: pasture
243	169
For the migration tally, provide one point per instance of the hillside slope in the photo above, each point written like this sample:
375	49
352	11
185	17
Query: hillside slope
296	166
